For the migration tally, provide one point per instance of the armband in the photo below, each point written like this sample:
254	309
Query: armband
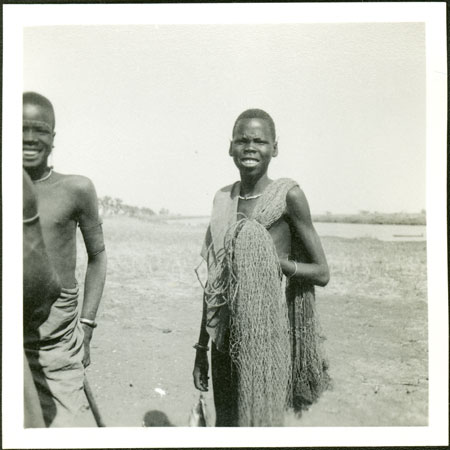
92	226
98	252
93	239
88	322
31	219
204	348
295	271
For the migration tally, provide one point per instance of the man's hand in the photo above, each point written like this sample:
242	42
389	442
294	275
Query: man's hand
201	368
86	343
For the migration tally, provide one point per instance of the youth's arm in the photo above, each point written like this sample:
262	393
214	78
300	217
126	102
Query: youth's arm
203	338
316	271
94	282
201	365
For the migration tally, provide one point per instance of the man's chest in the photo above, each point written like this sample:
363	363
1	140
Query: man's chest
279	230
57	207
245	208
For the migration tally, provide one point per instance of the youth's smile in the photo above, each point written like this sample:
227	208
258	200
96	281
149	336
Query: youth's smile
31	153
37	135
248	161
253	146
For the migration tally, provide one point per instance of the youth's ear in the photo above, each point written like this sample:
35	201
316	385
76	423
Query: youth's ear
275	149
230	150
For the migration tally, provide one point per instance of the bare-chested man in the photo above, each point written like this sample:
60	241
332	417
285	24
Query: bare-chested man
60	351
301	258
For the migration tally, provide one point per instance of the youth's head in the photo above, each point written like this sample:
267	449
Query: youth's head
38	130
254	143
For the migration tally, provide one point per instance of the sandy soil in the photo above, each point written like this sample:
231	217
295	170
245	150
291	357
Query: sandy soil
373	312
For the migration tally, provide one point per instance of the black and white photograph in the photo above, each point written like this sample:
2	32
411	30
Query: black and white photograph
233	215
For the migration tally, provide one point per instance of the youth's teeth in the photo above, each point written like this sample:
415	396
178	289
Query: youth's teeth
30	152
249	162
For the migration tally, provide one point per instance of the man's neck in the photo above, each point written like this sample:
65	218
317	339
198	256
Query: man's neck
37	173
254	186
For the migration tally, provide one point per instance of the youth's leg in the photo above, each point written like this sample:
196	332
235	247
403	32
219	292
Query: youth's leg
225	388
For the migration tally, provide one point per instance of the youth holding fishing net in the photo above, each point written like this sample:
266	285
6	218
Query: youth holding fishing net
264	258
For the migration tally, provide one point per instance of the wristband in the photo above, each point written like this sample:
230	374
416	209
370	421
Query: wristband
31	219
88	322
201	347
295	271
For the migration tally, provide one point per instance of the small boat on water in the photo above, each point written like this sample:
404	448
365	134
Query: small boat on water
408	235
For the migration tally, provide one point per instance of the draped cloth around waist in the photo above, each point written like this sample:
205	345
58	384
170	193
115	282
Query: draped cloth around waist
55	353
58	342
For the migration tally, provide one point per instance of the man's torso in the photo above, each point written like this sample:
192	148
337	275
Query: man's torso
280	230
59	215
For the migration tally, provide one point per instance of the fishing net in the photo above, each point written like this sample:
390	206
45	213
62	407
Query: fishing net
309	364
275	340
259	325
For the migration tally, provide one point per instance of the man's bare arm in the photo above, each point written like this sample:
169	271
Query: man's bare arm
94	282
316	270
201	364
41	286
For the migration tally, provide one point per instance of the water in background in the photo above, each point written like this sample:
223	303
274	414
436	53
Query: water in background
347	230
381	232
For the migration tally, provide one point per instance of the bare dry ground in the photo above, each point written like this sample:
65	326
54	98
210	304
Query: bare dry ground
373	312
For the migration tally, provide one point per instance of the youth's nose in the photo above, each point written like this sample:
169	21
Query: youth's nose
29	135
249	147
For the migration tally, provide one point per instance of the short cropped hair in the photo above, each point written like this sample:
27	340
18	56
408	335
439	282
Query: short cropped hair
255	113
39	100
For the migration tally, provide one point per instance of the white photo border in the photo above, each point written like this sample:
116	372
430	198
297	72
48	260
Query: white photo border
16	17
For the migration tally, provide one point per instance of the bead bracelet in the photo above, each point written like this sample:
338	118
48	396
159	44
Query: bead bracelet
295	271
201	347
88	322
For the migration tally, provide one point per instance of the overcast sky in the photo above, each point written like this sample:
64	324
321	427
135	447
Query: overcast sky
146	111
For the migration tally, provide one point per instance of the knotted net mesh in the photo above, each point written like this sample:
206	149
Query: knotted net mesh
275	339
310	366
259	326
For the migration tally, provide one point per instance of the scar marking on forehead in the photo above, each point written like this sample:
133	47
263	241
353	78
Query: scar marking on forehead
37	123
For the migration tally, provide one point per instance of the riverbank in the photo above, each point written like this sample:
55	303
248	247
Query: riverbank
369	218
373	313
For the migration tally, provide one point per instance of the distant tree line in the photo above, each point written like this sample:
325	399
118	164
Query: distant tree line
364	216
109	206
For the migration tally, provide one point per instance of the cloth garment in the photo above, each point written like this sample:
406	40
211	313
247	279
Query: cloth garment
224	379
54	352
33	417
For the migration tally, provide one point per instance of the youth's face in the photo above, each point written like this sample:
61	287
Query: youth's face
253	146
37	135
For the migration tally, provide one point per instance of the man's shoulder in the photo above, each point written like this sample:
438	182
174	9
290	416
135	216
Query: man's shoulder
292	187
295	193
77	183
296	202
226	190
